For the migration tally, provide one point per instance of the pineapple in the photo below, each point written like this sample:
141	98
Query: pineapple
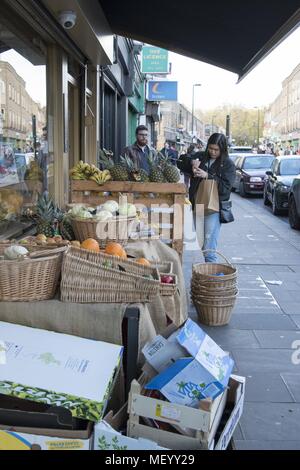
155	175
171	173
135	173
65	228
118	172
47	213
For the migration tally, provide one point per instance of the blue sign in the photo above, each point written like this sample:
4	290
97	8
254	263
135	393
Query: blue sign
162	90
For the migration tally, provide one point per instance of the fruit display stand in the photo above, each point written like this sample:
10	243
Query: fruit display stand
166	200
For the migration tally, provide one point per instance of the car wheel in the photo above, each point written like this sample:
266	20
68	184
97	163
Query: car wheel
242	189
266	199
275	209
294	219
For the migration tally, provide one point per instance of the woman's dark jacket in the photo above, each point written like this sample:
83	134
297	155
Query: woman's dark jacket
223	172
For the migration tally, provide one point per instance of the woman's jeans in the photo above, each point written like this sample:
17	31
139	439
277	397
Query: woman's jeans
208	231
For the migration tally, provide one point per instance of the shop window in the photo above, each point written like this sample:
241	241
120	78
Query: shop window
24	167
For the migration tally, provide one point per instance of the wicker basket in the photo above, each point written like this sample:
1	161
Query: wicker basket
31	279
169	289
117	229
214	316
87	281
206	272
128	265
197	289
214	301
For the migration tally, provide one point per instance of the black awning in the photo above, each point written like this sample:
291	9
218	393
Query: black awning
232	34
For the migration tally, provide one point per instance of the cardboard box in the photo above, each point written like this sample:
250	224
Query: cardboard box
45	439
189	379
108	437
162	353
205	423
58	369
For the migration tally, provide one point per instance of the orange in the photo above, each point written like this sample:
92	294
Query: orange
90	244
115	249
143	261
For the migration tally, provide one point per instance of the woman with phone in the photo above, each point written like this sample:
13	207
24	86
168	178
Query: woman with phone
212	164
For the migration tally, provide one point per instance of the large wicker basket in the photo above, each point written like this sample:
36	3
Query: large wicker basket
214	296
214	315
117	230
31	279
89	281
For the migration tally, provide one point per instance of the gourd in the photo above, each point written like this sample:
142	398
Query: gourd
15	252
103	216
111	206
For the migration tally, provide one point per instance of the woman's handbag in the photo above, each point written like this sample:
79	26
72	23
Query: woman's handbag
208	196
226	216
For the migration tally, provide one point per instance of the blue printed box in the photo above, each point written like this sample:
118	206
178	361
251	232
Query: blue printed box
190	379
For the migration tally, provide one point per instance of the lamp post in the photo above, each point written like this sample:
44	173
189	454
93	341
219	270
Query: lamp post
212	123
193	104
258	118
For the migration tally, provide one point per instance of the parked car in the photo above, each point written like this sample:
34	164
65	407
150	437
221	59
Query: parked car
242	149
279	181
234	156
251	172
294	204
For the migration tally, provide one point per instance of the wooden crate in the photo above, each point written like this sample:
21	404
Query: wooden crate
196	427
203	422
150	195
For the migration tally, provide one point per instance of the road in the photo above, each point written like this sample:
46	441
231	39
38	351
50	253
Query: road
258	201
264	330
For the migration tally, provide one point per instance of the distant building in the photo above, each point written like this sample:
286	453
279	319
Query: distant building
175	126
17	108
282	119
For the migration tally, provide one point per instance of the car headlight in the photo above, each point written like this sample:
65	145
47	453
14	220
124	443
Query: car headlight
283	188
255	179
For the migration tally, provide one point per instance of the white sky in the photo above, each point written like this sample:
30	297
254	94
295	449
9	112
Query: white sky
218	86
34	76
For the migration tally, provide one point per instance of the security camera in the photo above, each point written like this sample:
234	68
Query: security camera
67	19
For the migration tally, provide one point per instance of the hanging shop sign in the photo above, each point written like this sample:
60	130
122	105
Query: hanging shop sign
162	90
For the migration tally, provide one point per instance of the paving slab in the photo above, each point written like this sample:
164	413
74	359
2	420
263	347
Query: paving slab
267	387
275	339
249	361
290	308
271	421
262	321
296	320
292	382
266	445
227	337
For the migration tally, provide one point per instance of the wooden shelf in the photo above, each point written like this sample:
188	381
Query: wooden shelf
150	195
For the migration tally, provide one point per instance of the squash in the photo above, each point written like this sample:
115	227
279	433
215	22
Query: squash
115	249
143	261
91	244
15	252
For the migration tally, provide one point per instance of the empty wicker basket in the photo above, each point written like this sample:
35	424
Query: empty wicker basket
89	281
214	296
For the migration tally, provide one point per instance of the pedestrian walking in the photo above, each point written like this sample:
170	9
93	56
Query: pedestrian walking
212	175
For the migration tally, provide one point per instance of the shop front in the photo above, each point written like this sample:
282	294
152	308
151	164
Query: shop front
49	102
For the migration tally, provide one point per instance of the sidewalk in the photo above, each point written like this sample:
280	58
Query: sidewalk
264	325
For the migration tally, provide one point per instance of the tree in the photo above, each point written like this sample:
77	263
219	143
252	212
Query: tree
243	122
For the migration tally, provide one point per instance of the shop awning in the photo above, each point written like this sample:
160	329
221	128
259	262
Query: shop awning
233	34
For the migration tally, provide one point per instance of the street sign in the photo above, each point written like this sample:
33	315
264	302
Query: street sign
155	60
162	90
